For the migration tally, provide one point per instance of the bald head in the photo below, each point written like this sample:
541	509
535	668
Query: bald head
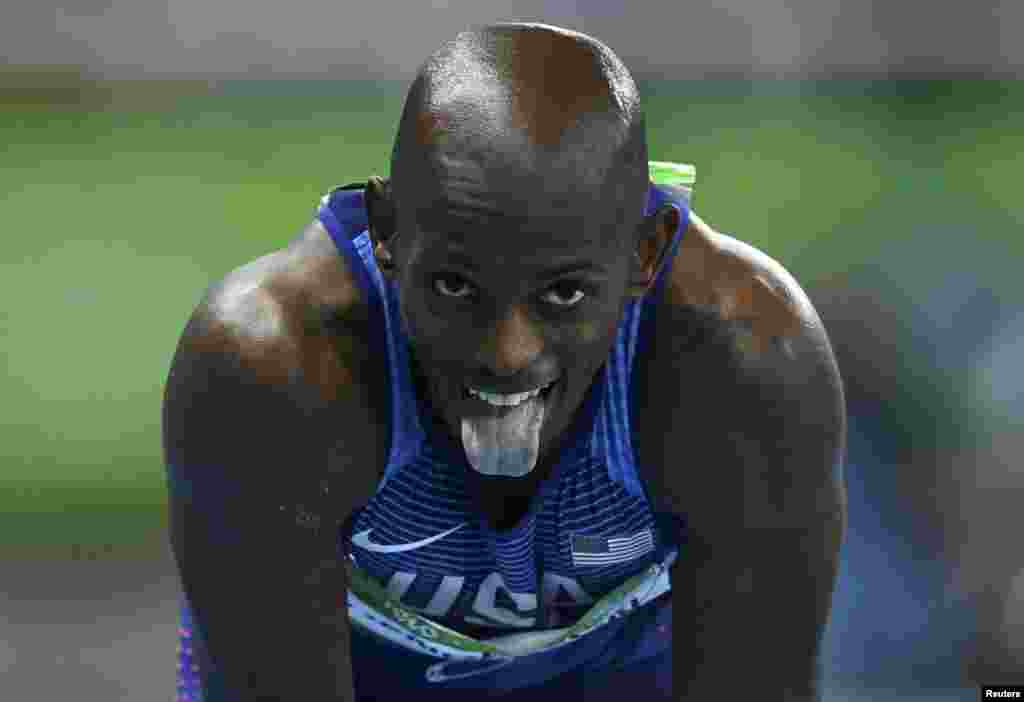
553	110
536	79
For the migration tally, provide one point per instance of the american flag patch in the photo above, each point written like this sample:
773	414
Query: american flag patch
602	550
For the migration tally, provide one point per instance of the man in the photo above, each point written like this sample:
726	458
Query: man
529	391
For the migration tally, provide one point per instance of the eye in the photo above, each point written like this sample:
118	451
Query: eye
565	294
452	285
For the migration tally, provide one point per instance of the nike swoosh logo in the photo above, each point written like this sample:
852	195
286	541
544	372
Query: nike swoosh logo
362	540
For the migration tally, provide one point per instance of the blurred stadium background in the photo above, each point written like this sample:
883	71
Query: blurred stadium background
149	146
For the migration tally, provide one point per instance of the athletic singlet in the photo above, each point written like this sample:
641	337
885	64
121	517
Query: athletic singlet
421	543
589	528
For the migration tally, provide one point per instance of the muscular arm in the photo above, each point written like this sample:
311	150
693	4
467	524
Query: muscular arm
267	448
756	470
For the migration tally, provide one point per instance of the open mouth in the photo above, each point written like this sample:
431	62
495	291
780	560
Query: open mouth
512	400
501	433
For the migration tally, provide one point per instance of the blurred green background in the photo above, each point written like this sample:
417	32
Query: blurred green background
119	206
894	202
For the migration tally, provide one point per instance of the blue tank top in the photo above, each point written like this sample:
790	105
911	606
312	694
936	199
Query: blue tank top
589	527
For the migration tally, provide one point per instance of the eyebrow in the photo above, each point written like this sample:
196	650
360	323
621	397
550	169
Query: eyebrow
455	255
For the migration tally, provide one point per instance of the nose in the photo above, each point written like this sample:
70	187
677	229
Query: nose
511	345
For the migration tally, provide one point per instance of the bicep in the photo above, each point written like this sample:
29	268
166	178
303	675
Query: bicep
256	495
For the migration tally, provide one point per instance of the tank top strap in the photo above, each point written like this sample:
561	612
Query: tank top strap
343	214
613	438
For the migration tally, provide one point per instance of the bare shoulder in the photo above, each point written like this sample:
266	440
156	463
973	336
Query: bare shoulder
284	316
281	342
741	373
743	287
283	311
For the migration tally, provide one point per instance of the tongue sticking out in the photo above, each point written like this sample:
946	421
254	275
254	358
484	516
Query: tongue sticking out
505	441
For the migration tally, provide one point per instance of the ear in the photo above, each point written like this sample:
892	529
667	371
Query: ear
380	213
653	241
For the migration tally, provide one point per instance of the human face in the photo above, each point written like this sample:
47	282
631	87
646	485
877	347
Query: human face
504	302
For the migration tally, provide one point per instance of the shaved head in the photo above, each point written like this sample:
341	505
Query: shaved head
555	112
536	79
